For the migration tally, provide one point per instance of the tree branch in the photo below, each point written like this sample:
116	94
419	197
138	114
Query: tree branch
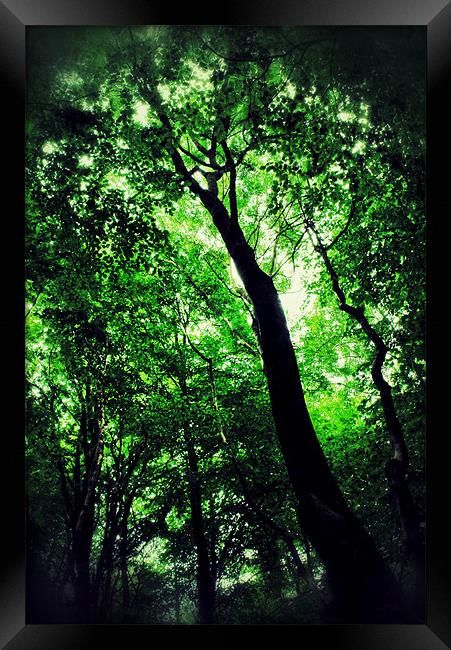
344	229
232	169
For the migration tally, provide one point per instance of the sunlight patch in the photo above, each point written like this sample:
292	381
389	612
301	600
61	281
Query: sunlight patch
345	116
141	114
49	147
85	161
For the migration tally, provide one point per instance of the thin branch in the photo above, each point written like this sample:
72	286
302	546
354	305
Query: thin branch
232	169
344	229
233	293
215	310
33	303
199	161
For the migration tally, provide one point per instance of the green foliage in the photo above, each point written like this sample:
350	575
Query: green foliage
134	312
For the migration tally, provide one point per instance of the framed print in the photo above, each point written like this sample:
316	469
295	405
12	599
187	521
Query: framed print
233	235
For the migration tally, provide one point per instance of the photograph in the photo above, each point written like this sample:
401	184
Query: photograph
225	325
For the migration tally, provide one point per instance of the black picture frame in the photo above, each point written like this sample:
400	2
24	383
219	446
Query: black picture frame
15	17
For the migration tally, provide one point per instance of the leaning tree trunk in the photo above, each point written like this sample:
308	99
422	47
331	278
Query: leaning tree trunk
363	587
359	579
396	467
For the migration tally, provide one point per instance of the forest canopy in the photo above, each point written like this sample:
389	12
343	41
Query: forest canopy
225	325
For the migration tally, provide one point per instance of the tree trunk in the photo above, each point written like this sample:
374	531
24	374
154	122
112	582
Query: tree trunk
177	593
102	597
83	520
360	580
81	549
364	588
123	552
205	583
396	467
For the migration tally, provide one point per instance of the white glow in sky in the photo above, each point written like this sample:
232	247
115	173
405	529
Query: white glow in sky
295	300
